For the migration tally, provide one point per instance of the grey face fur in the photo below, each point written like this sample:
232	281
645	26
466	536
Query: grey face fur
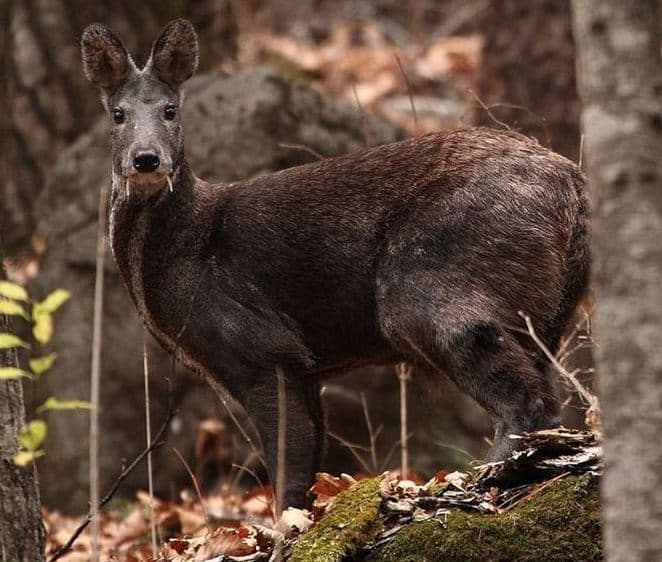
143	105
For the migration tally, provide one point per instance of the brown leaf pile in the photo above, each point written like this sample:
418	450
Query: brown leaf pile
357	61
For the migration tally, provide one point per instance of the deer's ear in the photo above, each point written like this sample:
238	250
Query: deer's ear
105	60
174	56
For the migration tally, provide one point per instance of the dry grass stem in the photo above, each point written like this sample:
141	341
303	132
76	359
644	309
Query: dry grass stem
95	375
281	453
403	371
303	147
364	119
410	94
148	439
194	480
593	412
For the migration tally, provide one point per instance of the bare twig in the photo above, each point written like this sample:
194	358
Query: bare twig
156	442
534	492
220	393
281	451
95	373
581	151
364	119
302	147
389	454
403	371
247	470
372	434
590	399
488	109
148	439
196	484
410	93
352	449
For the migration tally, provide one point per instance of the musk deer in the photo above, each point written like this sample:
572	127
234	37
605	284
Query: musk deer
422	251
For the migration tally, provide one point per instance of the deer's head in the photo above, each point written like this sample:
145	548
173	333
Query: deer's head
143	104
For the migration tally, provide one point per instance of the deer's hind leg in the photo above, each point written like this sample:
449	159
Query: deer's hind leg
456	336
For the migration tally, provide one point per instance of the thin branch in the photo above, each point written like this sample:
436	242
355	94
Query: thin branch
95	373
364	119
581	151
156	442
589	398
302	147
403	371
281	451
196	484
243	468
235	480
148	438
373	435
487	108
410	93
352	450
390	453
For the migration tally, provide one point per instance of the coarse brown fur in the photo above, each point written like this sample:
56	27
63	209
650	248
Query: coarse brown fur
424	250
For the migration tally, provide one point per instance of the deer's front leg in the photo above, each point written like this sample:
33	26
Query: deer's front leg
304	431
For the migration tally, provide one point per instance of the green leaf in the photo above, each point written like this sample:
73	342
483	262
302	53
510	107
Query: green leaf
43	327
7	373
11	308
52	302
12	291
7	341
24	458
40	365
53	403
33	435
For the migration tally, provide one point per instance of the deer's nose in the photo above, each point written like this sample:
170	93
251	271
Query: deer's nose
146	162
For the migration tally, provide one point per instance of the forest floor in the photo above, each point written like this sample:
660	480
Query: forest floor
543	499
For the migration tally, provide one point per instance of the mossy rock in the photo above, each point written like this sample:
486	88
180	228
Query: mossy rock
559	523
352	522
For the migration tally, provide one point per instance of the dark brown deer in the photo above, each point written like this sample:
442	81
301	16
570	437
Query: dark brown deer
422	251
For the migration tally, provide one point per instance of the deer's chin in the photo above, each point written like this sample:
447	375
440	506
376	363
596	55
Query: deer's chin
145	185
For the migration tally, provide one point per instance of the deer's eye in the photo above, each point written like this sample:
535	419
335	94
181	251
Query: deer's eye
170	112
118	115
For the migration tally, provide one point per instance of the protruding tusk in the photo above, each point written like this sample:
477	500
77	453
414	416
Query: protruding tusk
127	189
169	184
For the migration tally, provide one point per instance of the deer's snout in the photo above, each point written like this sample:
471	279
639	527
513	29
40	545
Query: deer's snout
146	161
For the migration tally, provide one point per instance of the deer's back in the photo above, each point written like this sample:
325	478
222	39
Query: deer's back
313	240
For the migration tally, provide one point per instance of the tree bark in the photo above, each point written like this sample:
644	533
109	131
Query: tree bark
528	61
21	529
620	83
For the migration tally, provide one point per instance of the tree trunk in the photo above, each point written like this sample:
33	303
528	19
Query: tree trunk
21	529
620	82
528	61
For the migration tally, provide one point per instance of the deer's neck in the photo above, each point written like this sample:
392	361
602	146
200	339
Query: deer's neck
159	245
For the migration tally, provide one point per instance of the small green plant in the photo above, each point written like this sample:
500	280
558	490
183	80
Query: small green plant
15	301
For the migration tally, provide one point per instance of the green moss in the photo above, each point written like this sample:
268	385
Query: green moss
352	522
560	523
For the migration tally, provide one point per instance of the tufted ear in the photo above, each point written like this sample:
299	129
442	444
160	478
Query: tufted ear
174	56
105	60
